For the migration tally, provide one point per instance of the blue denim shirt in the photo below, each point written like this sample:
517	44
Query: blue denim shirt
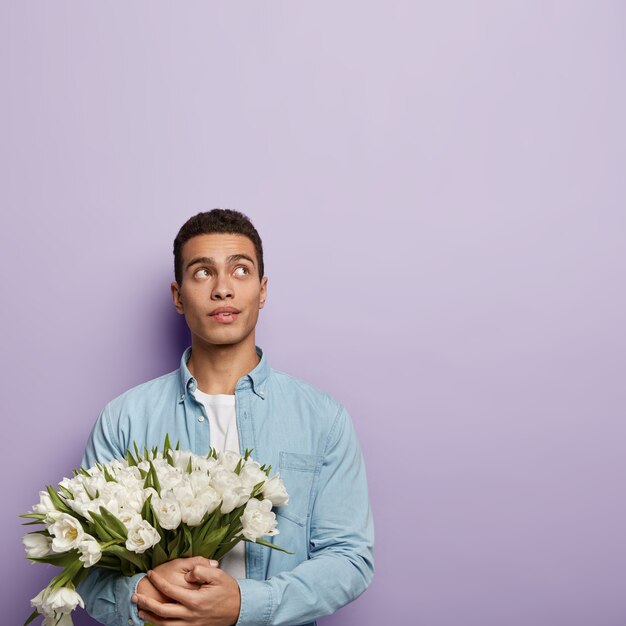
308	437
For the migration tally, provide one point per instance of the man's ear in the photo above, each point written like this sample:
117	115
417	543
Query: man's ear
263	294
178	301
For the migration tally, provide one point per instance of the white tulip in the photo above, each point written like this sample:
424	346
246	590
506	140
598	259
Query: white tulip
90	551
37	545
167	511
63	600
274	490
229	460
52	602
231	489
199	481
251	475
67	532
192	510
210	498
258	519
45	505
141	537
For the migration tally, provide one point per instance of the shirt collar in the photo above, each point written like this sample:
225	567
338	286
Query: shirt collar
255	378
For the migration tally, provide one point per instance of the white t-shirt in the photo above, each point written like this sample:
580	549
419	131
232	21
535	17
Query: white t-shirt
220	409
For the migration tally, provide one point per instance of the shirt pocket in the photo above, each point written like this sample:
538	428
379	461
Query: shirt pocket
299	473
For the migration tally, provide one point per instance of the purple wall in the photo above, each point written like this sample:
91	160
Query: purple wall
441	194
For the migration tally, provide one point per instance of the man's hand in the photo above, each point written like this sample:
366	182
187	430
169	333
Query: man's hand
175	572
207	597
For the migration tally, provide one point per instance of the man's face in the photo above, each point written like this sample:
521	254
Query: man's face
220	270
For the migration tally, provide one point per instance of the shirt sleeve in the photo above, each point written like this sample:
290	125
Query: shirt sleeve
341	558
106	593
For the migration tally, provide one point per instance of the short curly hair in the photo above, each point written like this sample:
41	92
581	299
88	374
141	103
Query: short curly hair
216	221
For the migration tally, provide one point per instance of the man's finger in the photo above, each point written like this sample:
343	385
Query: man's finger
175	592
201	560
151	618
202	574
162	609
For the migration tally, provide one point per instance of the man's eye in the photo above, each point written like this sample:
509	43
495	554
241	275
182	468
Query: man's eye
243	267
200	272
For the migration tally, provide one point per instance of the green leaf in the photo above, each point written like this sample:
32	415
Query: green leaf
209	522
188	543
114	525
225	548
108	476
239	466
166	445
154	522
111	562
126	555
67	575
58	503
267	544
101	529
137	452
235	517
257	489
63	559
31	617
130	458
84	572
128	569
207	547
158	555
174	545
37	516
146	506
155	478
189	466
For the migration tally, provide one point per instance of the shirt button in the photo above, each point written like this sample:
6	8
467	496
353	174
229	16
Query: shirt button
130	621
201	418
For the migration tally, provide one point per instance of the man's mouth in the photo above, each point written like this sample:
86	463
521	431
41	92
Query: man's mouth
225	316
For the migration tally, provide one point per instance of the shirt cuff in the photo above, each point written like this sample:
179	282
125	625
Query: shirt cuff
127	610
256	602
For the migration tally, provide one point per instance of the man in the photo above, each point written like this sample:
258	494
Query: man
226	395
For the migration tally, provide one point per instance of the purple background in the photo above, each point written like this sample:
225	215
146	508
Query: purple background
440	192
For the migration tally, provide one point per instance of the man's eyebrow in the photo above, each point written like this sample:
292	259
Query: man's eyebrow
208	260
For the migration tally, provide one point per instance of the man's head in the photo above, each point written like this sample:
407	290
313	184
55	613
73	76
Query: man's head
220	286
216	221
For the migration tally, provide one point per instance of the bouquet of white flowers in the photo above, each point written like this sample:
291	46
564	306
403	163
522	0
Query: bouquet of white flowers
132	514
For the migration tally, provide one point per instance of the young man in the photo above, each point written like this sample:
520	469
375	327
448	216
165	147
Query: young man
226	395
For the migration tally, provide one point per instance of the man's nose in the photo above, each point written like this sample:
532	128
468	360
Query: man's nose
222	288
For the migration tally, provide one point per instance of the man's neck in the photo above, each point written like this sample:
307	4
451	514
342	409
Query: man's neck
218	368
